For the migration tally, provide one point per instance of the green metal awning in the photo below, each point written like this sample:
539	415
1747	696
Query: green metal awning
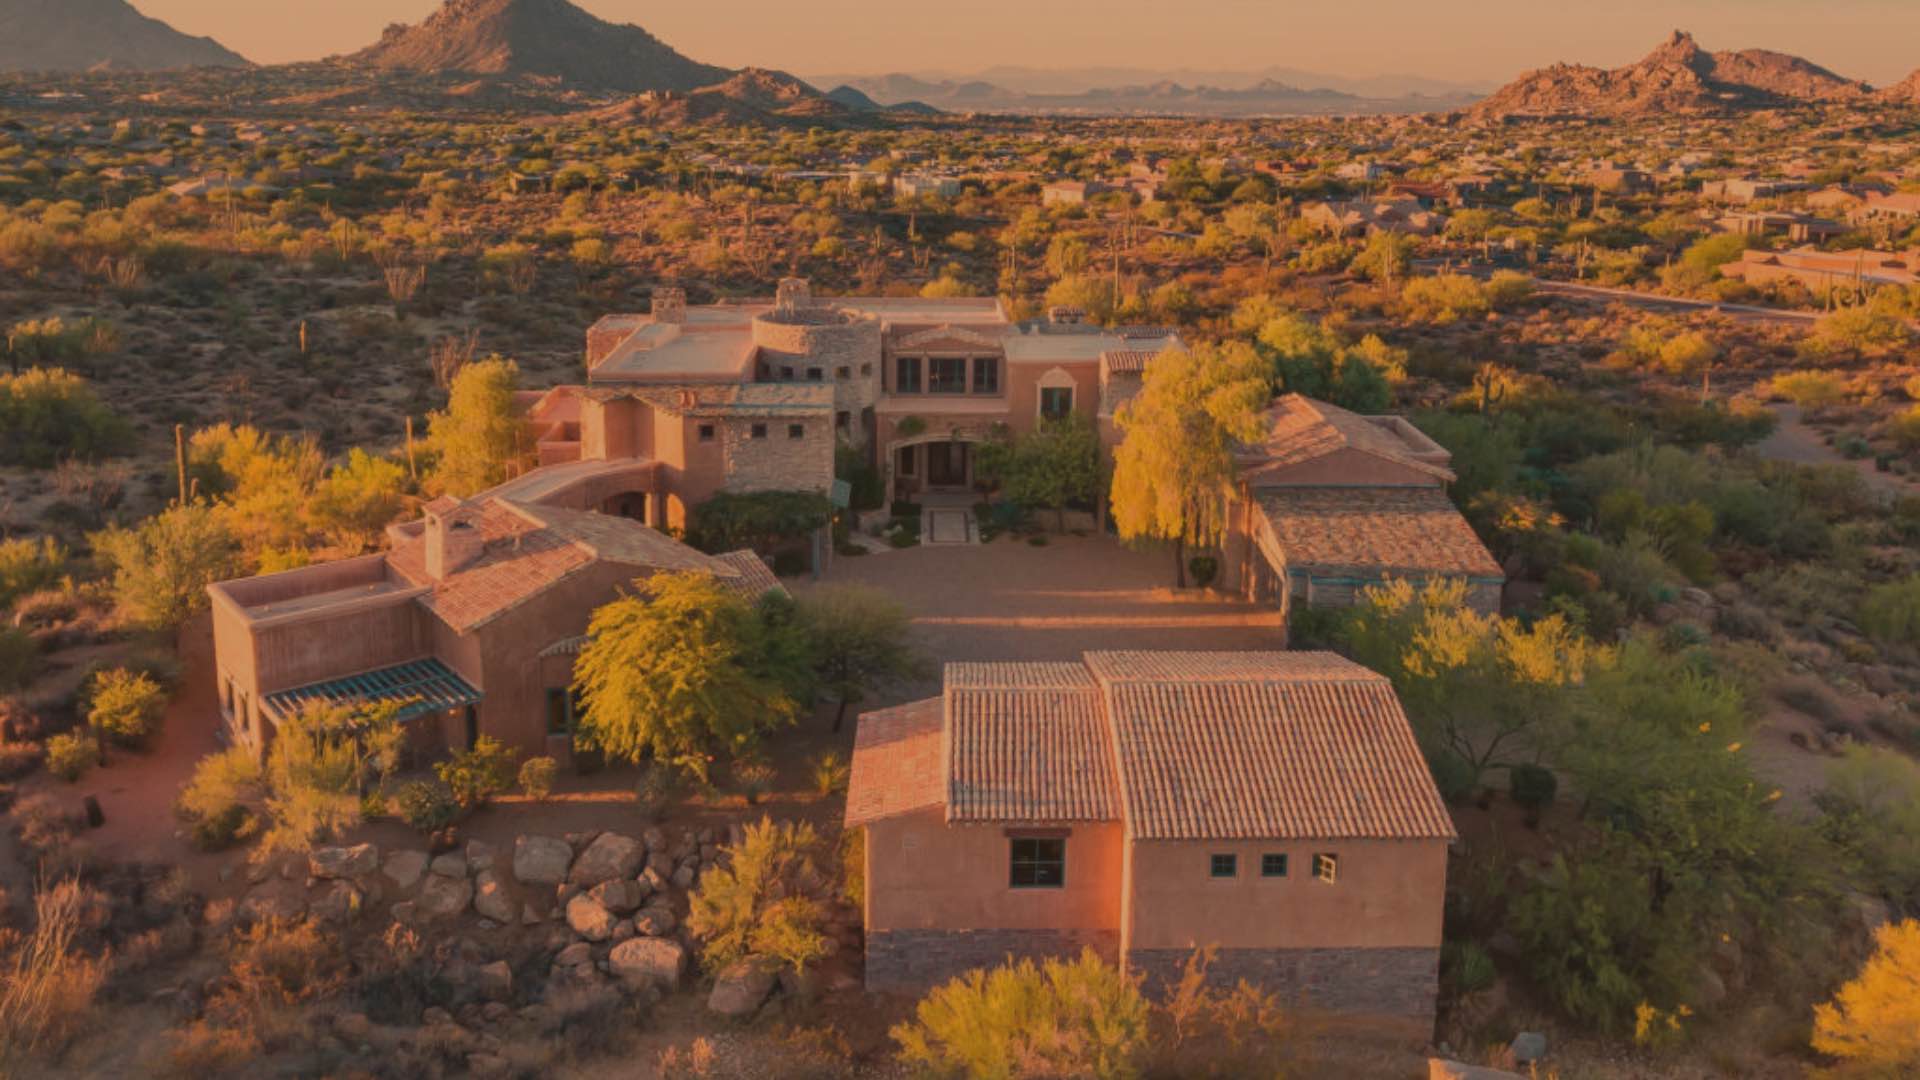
420	687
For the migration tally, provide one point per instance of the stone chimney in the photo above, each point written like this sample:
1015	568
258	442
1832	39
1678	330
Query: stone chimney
670	306
1063	315
453	536
793	296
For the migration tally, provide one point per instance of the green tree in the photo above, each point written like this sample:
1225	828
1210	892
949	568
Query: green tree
358	500
1055	464
1080	1017
1873	1023
162	567
1174	469
1387	258
477	442
49	414
759	901
861	640
674	672
126	706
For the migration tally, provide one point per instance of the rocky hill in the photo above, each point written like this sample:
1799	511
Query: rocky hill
1906	92
754	96
86	35
548	38
1677	77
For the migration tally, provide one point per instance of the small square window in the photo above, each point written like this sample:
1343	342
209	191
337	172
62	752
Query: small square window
866	369
706	432
1326	868
786	372
1056	402
1226	866
1037	862
759	431
843	373
815	374
796	431
1273	865
843	420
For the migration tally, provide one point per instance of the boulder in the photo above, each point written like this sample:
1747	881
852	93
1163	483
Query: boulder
645	961
328	863
1442	1069
404	868
353	1027
619	896
742	987
609	857
541	860
682	878
1528	1047
495	981
451	864
443	897
574	955
654	880
654	838
337	901
479	856
586	917
274	899
654	921
493	899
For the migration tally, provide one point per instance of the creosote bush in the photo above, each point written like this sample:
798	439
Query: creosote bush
70	755
1079	1017
757	903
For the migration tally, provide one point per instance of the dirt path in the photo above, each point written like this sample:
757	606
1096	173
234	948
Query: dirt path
1793	439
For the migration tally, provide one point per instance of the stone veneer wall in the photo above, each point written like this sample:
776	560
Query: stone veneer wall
830	339
914	960
777	462
1400	982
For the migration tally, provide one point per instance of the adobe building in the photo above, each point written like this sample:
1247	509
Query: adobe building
1146	804
1331	502
471	621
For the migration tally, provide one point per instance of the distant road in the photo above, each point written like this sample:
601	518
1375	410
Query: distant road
1747	313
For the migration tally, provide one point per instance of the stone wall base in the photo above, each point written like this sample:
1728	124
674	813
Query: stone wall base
915	960
1374	982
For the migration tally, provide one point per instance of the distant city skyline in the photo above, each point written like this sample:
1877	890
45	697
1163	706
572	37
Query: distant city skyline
1476	41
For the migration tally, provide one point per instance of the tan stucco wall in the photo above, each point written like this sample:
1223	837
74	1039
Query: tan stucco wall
924	874
1389	894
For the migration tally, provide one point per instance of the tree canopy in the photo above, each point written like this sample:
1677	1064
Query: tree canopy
477	441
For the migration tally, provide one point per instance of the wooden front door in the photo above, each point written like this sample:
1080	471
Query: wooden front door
947	464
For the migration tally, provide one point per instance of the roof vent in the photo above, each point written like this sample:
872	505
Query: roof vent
669	305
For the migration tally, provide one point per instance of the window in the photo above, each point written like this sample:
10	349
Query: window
815	374
906	378
1038	862
559	712
706	432
866	369
947	375
759	431
843	420
1226	866
843	373
1326	867
796	431
786	371
986	374
1273	865
1056	402
906	462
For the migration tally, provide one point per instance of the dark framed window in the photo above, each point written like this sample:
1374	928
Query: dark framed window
786	371
759	431
866	369
796	431
843	420
947	375
559	711
1272	865
1224	866
1326	868
906	375
1056	402
906	464
986	374
1037	862
843	373
706	432
815	374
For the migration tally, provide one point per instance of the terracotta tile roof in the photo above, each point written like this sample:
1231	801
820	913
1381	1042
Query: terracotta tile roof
1374	532
1126	361
897	760
1026	743
755	578
1265	746
528	549
1300	429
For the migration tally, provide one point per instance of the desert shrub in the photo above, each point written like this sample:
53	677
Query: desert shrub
1204	568
853	868
276	969
1873	1024
1891	612
830	773
425	805
1466	967
1445	299
763	521
1508	288
756	903
17	759
1078	1017
217	802
1532	786
126	706
536	777
1809	389
49	414
1204	1030
476	775
161	569
1453	774
1870	814
49	983
26	566
656	790
754	779
19	658
70	755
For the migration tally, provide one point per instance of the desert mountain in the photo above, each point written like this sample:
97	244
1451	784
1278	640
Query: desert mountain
550	38
754	96
1906	92
1677	77
81	35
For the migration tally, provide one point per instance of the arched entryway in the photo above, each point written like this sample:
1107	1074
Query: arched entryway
934	463
631	505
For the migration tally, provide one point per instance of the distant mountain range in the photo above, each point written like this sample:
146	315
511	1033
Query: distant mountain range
1074	92
94	35
1677	78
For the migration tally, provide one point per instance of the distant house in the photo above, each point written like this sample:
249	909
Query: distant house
915	185
1799	228
1822	270
1068	193
1748	189
1364	217
1899	208
1145	804
1332	502
1616	180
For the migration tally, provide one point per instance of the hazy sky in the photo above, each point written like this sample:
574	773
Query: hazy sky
1469	40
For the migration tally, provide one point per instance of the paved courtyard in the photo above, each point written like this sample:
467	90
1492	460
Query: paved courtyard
1009	600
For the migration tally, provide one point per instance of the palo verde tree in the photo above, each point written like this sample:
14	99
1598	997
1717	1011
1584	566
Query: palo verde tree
477	441
677	672
1173	472
860	640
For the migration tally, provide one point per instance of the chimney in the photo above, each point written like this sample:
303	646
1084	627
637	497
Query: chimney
453	537
1063	315
793	296
670	306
